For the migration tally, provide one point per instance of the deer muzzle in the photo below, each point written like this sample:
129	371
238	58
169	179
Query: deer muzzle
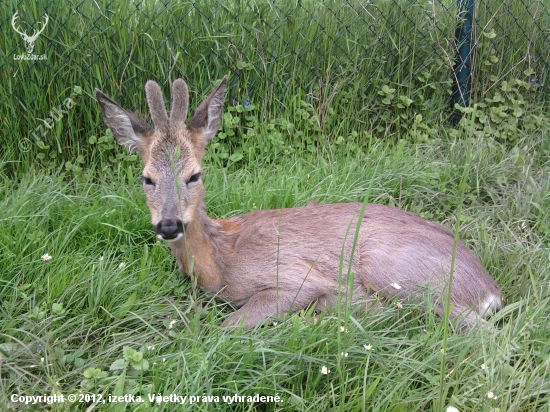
170	229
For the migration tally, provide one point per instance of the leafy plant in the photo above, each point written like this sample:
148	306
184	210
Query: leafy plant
131	357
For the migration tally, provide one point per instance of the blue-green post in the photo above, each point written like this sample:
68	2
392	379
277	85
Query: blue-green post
463	60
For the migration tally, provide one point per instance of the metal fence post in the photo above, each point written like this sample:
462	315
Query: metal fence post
463	60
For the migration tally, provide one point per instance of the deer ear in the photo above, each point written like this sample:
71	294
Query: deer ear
208	116
127	128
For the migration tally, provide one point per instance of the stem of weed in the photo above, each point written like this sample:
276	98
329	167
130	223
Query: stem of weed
447	299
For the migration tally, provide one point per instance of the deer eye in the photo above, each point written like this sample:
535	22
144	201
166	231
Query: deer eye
194	178
147	180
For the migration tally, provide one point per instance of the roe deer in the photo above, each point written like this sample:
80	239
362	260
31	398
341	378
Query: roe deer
274	262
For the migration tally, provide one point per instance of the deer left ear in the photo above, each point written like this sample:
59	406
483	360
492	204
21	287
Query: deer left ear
127	128
208	116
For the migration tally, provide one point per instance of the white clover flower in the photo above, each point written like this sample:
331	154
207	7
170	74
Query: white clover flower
45	257
325	370
395	286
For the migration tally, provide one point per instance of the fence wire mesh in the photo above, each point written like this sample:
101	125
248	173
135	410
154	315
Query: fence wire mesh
270	48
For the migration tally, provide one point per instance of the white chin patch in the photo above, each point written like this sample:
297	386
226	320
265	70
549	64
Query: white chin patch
170	240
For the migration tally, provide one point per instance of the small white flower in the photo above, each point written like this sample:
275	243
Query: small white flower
344	354
164	359
122	264
172	323
491	395
325	370
484	367
101	258
150	347
343	329
399	305
41	360
451	409
45	257
395	286
368	347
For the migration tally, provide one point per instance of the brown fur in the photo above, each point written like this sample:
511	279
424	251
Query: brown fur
273	262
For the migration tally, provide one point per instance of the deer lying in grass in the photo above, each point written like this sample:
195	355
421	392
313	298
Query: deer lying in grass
274	262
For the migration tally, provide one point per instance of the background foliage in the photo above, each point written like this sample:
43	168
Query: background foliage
388	62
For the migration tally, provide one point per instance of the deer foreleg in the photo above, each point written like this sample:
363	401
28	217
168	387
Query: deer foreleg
271	303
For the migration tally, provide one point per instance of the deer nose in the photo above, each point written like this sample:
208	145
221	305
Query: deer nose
169	229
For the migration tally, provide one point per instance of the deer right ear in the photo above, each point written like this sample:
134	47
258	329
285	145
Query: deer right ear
208	116
127	128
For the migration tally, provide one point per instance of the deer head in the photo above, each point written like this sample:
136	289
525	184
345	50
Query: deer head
29	40
172	152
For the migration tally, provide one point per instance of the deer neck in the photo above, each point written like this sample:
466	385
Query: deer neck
198	251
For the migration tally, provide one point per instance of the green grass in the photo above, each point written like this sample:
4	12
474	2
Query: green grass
80	309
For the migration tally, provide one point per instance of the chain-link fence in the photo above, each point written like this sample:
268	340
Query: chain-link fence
334	51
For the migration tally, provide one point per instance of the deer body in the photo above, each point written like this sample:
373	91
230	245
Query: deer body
272	262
